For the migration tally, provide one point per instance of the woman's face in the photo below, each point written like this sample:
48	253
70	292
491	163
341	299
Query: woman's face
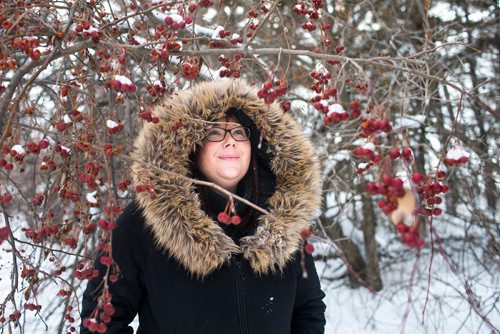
225	162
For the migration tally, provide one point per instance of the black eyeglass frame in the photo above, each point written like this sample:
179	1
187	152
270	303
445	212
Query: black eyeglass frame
247	132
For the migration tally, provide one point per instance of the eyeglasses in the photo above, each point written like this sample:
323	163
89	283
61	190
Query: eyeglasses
218	134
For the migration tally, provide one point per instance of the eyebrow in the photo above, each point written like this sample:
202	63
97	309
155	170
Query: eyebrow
226	123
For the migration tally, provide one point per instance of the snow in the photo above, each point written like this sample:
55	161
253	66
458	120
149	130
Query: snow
215	34
67	149
361	311
369	146
18	148
456	153
123	80
66	119
111	124
90	197
176	18
335	108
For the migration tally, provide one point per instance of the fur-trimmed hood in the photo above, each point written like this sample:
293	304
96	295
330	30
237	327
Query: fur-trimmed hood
174	215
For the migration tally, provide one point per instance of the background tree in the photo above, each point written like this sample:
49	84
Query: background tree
398	96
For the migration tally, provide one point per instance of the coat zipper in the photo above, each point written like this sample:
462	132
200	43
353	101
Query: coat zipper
240	293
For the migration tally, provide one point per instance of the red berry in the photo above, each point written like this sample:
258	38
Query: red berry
417	178
309	248
402	228
223	217
407	154
235	220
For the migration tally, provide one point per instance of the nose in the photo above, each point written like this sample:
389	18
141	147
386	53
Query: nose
228	140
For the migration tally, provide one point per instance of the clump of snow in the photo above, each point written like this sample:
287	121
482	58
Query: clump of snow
18	148
336	107
456	153
66	119
111	124
215	34
176	18
66	149
123	80
369	146
90	197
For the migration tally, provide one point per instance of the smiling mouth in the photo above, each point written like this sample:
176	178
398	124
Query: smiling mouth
229	157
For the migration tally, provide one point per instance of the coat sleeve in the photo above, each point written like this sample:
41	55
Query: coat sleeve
127	291
309	310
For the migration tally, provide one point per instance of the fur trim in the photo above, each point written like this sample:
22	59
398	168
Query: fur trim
174	215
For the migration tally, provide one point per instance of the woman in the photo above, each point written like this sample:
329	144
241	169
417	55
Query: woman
181	269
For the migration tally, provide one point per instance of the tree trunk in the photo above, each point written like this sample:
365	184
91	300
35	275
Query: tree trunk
372	265
355	263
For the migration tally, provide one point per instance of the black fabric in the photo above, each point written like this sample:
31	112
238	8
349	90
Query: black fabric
231	300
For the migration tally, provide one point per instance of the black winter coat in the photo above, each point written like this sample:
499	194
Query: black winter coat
232	299
184	273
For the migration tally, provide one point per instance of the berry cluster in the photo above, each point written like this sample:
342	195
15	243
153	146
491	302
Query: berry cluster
109	150
157	88
121	84
6	63
106	311
227	219
311	13
229	216
144	187
87	31
231	66
406	153
94	326
32	307
28	46
114	127
5	199
305	234
428	194
148	117
371	126
391	188
106	224
355	109
367	152
409	235
455	157
269	94
335	113
321	79
35	148
64	193
39	236
190	70
176	21
4	234
205	3
106	260
38	200
83	273
89	228
123	185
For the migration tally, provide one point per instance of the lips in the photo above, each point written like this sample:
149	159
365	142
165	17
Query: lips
229	157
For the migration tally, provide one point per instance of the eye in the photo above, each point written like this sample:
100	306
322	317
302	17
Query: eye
238	132
214	132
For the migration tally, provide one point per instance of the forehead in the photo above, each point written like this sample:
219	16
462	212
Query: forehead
226	121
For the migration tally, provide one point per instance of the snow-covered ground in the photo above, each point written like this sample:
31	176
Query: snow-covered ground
398	308
401	305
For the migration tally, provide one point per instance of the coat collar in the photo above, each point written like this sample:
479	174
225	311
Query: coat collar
174	215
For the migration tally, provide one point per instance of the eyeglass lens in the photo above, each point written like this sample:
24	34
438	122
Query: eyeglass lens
218	134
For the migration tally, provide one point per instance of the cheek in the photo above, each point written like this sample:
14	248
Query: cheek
205	156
